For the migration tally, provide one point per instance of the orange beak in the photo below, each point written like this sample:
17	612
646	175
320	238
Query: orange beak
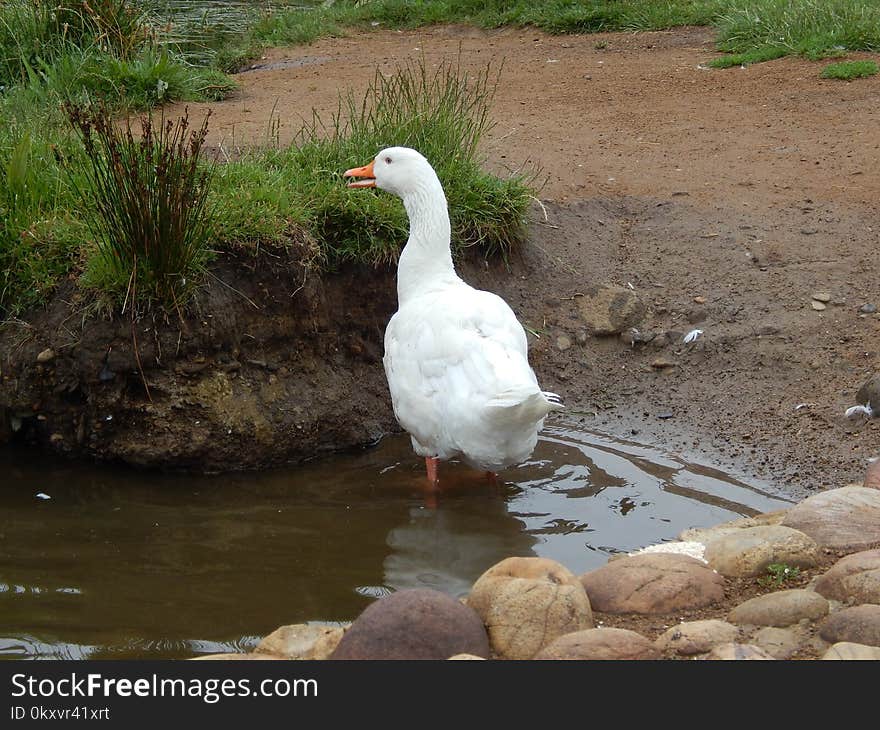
364	172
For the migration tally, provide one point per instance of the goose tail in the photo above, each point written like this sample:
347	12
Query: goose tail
519	404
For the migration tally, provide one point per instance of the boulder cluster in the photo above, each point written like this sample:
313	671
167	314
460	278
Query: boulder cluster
535	608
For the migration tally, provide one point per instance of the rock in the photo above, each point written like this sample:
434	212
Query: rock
615	644
526	603
748	551
302	641
781	608
872	475
849	650
46	355
466	657
821	296
232	656
696	637
737	652
705	534
563	342
853	579
652	583
699	300
868	308
418	623
846	518
869	392
661	363
818	306
857	624
779	643
609	310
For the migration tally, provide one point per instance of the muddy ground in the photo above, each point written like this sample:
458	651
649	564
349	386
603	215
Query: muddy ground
723	198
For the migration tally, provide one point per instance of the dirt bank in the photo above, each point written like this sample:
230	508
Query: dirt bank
724	199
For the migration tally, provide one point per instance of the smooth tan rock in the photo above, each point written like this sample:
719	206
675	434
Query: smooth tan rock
782	608
652	583
46	355
418	623
780	643
526	603
853	579
302	641
846	518
704	534
857	624
697	637
848	651
619	644
466	657
737	652
750	550
232	656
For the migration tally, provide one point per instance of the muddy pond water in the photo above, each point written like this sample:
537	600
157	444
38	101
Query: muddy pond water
105	562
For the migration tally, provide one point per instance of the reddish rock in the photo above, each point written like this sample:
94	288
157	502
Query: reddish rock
414	624
652	583
600	644
855	578
858	625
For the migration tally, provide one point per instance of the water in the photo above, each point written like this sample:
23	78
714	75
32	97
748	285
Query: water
103	562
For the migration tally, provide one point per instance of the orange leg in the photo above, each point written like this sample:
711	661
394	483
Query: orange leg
431	463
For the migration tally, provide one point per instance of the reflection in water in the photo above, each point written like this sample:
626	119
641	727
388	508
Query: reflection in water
117	563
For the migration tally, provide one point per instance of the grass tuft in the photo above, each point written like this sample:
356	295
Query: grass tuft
146	204
848	70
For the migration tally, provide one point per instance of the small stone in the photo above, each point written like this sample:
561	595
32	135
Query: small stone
661	363
598	644
466	657
818	306
700	300
857	624
232	656
821	296
737	652
582	337
697	637
46	355
869	392
868	308
609	310
563	342
302	641
781	608
780	643
848	650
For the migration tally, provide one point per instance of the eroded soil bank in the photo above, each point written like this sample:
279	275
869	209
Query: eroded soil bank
723	199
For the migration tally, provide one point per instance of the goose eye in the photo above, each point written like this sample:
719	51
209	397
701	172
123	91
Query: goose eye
387	160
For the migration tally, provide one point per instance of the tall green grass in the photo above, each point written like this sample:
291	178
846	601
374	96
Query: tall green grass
443	112
144	201
811	28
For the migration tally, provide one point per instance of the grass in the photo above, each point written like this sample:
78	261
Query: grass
116	53
145	204
443	113
778	574
848	70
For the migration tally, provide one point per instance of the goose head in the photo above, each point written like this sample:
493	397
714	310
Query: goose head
399	170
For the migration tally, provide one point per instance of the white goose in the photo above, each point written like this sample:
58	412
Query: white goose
456	357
